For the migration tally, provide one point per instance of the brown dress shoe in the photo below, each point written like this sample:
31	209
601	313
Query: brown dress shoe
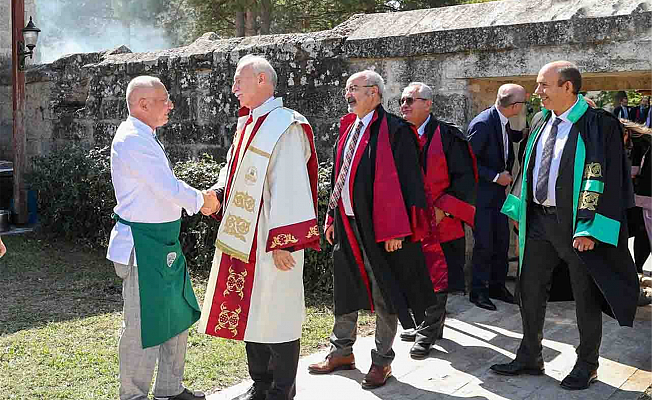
377	376
332	363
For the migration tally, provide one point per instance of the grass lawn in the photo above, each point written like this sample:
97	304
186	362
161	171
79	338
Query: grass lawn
60	313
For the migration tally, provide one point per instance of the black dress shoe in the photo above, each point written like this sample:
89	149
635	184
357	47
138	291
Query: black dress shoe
408	335
481	299
420	349
501	293
253	393
187	394
579	379
516	368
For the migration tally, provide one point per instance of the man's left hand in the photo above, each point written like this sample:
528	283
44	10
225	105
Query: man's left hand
439	215
283	260
583	243
393	245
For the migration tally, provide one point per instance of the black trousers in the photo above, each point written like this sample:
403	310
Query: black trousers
490	259
546	245
273	367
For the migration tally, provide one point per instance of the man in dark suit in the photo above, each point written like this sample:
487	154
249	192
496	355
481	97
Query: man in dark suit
622	109
492	142
639	114
572	230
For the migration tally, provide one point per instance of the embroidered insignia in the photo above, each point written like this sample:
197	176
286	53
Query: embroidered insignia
282	240
228	319
314	231
236	226
251	176
171	257
235	283
589	200
593	170
243	200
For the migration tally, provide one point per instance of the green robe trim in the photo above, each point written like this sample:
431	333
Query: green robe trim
593	185
516	208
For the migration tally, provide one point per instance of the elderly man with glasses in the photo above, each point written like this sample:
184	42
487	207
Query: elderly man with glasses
492	139
375	221
450	175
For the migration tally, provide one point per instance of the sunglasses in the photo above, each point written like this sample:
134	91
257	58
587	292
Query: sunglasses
408	100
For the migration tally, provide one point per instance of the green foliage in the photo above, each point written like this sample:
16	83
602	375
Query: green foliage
75	194
76	199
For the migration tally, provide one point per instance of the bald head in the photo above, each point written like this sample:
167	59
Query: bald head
558	85
510	99
148	101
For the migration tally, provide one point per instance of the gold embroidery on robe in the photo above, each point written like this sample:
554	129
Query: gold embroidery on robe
314	231
593	170
589	200
283	239
235	283
228	319
237	227
243	200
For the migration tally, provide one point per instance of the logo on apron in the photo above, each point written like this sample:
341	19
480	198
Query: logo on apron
171	258
251	176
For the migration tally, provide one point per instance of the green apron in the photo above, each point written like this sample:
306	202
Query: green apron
168	305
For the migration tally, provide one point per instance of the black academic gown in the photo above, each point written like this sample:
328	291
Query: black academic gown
462	180
611	266
401	275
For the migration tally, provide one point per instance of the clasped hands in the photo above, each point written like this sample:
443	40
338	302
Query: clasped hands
211	203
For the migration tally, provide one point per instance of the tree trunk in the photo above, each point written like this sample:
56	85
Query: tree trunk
239	23
250	21
265	16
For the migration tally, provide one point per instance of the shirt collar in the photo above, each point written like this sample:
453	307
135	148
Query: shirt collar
422	128
503	119
366	119
564	116
267	106
141	126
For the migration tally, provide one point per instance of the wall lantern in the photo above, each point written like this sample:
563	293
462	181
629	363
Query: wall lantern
30	34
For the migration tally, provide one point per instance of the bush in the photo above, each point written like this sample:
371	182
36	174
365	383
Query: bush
76	199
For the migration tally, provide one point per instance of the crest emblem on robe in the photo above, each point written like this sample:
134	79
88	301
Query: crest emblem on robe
170	260
251	176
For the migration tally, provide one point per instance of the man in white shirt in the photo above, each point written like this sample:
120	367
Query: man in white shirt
491	139
159	303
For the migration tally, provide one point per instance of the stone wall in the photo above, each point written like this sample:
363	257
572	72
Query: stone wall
463	52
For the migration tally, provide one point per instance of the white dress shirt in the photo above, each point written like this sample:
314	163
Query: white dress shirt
346	195
145	187
503	122
422	128
563	130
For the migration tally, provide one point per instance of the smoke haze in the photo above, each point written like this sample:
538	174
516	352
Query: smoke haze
79	26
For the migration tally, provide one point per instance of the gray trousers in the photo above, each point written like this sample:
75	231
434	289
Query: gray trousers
346	325
137	364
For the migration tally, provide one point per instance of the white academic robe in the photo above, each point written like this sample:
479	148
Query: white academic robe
276	307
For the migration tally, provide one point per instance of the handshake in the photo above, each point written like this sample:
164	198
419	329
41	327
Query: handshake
211	203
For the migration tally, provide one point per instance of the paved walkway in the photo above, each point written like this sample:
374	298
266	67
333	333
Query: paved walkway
473	340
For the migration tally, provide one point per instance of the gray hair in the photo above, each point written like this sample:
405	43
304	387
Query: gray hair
260	66
424	90
372	78
140	82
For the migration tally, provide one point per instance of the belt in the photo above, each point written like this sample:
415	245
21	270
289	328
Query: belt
544	209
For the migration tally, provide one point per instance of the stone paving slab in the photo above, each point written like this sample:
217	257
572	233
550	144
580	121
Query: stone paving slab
473	340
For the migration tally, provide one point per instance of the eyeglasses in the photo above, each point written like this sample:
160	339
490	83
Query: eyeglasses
409	100
353	89
165	101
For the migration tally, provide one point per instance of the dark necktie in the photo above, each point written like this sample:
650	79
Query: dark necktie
346	165
164	152
506	142
541	192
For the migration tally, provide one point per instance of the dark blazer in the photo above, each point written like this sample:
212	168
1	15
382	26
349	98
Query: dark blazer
629	112
486	137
